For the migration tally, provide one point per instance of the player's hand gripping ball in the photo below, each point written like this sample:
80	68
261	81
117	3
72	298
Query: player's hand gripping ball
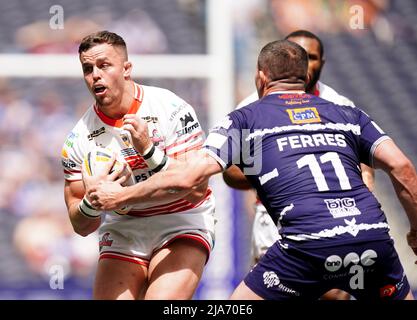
96	161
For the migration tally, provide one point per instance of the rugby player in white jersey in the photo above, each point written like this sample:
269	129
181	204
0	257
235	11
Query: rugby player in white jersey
264	231
158	250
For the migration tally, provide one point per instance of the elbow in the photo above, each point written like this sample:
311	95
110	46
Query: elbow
239	184
402	165
228	181
84	231
81	232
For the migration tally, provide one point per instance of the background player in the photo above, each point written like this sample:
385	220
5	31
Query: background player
305	161
264	231
158	251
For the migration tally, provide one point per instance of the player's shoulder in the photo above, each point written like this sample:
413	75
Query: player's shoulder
86	121
164	101
247	114
75	142
328	93
158	93
248	100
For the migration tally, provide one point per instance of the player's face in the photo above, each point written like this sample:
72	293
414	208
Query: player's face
315	60
104	67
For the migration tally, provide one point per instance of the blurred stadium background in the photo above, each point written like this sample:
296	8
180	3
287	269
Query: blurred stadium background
205	51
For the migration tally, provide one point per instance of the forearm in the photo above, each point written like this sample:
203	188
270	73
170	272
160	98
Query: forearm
182	179
81	224
404	180
392	160
159	189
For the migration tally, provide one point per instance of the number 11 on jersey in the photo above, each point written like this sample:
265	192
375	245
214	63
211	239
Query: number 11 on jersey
310	160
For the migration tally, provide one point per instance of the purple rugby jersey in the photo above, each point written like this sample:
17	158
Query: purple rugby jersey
302	154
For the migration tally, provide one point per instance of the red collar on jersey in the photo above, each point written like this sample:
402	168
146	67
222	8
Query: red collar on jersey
134	107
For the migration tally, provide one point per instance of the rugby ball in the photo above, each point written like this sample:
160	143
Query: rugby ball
95	162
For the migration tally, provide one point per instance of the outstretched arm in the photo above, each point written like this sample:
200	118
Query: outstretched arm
235	178
180	179
403	175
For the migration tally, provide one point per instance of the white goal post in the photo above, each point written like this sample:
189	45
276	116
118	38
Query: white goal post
215	66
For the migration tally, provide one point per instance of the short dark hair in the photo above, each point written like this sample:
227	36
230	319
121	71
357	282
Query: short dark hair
307	34
283	59
102	37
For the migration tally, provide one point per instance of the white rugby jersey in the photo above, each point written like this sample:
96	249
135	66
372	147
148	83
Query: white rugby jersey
173	127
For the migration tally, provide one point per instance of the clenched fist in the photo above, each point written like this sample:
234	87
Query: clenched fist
138	129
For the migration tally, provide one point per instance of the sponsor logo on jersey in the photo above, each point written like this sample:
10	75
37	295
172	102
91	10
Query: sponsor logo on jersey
271	280
105	241
334	262
343	207
186	119
73	135
96	133
296	101
68	163
133	159
387	291
293	96
69	141
304	115
352	265
64	153
143	176
156	137
189	129
125	138
150	119
174	113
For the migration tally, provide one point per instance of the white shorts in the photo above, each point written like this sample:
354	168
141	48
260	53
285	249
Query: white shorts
136	239
264	233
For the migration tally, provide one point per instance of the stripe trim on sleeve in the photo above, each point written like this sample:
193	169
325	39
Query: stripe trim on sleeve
216	157
374	146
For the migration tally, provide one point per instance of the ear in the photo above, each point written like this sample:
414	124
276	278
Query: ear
260	81
127	66
308	79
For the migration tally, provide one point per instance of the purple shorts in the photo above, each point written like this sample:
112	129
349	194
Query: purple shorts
367	270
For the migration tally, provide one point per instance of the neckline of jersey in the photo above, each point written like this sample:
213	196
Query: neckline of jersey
286	92
134	107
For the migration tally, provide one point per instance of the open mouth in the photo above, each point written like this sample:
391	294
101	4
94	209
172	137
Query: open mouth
99	89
